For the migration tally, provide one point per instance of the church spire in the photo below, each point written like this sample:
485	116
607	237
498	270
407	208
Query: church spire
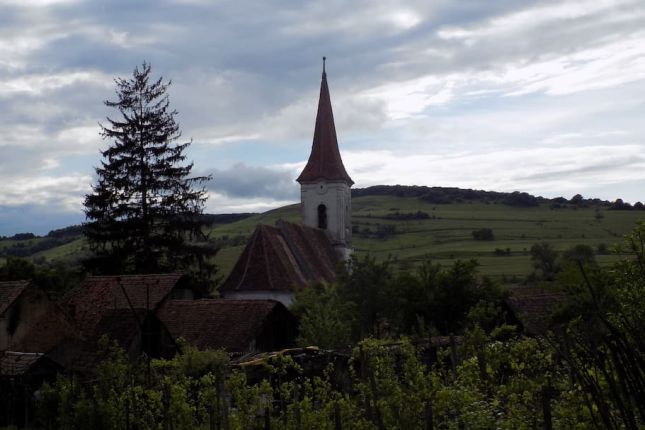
324	161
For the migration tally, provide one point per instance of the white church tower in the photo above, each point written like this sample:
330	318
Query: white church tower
325	193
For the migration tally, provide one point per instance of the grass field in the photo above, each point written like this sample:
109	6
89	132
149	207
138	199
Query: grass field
444	237
447	235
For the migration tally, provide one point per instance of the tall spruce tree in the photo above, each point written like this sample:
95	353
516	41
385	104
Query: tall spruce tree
144	214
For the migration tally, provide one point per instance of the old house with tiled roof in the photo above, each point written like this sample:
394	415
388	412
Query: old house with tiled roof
97	295
279	260
237	326
21	304
119	307
46	332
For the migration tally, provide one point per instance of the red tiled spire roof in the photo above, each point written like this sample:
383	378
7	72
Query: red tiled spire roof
324	160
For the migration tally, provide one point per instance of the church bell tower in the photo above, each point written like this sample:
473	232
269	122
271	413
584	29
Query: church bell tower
325	186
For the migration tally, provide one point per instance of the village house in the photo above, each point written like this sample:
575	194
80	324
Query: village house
21	304
236	326
530	308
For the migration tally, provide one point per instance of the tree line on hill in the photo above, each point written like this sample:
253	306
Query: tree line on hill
447	195
435	195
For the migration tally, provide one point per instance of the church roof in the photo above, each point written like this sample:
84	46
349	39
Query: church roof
324	160
282	258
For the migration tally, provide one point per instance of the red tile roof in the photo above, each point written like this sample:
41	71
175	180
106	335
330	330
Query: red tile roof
17	363
97	294
283	258
232	325
533	307
52	328
324	161
121	325
9	292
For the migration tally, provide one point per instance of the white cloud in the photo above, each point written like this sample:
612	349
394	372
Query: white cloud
82	138
37	84
541	170
222	203
34	3
50	192
538	96
605	66
531	18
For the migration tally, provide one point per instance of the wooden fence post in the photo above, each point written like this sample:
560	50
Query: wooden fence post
453	355
427	413
546	407
267	418
296	400
225	412
337	421
377	410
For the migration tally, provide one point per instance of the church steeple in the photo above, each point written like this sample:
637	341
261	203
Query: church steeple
324	161
325	186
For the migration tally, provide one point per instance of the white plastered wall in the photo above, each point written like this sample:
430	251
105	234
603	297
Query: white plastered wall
336	196
285	298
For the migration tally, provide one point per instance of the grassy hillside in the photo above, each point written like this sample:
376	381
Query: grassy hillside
412	228
447	234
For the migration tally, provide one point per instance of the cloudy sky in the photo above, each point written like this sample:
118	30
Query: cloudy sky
546	97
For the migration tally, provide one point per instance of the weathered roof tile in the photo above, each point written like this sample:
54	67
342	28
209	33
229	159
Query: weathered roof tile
533	307
232	325
283	258
97	294
9	292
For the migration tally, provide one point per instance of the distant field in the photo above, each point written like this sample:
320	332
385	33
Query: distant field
444	237
447	235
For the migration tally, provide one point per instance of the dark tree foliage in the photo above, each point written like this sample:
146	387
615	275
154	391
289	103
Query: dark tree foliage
55	278
143	215
602	342
579	254
544	258
483	234
371	298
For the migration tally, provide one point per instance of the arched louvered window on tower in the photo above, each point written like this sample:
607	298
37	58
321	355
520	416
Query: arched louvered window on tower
322	216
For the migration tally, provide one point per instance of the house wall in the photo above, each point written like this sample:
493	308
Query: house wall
18	318
285	298
336	196
278	332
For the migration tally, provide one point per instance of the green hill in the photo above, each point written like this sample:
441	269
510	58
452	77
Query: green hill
413	223
380	229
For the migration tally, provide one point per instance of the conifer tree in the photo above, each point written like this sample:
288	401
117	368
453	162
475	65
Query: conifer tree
144	214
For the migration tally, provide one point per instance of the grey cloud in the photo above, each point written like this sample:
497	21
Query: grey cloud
253	68
611	164
246	181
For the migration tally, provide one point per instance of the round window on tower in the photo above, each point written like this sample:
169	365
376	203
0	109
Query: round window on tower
321	188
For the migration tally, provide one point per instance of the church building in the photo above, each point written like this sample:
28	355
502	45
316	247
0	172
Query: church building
279	260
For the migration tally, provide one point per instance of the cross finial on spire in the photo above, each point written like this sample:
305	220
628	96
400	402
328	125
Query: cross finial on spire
324	59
